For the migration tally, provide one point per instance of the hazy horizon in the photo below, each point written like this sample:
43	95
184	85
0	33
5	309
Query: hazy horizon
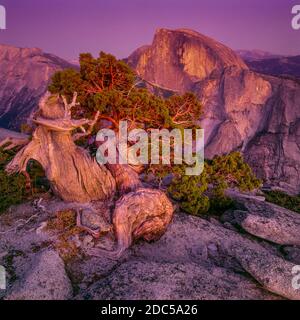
119	27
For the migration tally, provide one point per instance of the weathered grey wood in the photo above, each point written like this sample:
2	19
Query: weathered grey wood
143	214
73	174
127	179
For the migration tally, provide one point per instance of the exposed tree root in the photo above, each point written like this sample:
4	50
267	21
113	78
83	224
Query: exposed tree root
143	214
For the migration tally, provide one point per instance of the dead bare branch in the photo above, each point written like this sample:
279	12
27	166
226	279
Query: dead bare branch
13	142
69	106
87	132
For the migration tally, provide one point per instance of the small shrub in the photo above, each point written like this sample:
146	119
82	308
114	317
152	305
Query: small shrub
283	200
64	221
189	191
65	225
9	264
206	193
13	187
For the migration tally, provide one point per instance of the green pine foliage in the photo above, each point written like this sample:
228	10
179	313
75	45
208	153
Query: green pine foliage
13	187
108	85
283	200
206	193
190	192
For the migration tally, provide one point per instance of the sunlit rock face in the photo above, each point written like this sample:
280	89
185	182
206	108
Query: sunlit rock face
243	110
178	59
24	77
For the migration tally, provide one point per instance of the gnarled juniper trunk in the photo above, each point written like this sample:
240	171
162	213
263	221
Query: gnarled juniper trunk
73	174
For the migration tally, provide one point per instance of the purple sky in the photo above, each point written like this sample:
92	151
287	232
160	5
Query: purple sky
68	27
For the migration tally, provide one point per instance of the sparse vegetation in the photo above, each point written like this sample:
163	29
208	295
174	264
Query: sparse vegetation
206	192
64	224
283	200
9	264
13	188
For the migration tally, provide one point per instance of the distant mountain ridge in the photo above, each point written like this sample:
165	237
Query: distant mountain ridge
256	55
280	67
272	64
24	77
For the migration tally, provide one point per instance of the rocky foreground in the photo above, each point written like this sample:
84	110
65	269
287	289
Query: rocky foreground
248	253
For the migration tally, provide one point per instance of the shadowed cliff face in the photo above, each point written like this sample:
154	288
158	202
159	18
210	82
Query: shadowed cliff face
24	77
243	110
279	66
256	55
